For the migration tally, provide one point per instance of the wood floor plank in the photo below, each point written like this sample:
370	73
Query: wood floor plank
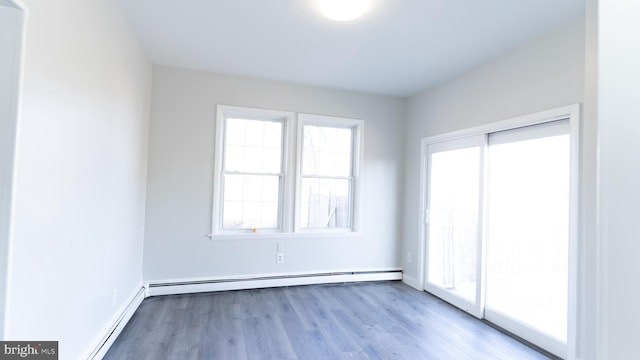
381	320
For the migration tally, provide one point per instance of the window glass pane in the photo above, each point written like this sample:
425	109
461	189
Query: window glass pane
235	132
251	201
253	160
270	186
272	134
234	188
325	203
344	140
253	146
252	190
233	215
252	214
327	151
270	160
269	216
253	132
234	157
453	226
527	247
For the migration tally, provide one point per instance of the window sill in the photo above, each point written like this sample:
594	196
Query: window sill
284	236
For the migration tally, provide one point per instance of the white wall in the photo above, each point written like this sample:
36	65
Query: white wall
618	84
80	180
544	74
179	201
10	34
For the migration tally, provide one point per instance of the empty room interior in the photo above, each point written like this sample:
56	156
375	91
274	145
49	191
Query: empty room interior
320	179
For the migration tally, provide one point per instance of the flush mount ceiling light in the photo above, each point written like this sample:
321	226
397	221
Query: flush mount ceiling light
343	10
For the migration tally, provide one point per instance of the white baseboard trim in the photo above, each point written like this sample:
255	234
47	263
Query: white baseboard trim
411	281
116	327
186	286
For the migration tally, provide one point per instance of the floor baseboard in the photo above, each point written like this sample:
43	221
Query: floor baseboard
118	325
411	281
156	288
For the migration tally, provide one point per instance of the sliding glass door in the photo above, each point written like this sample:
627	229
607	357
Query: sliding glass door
497	228
454	221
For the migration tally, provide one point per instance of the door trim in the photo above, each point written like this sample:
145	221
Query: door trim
9	130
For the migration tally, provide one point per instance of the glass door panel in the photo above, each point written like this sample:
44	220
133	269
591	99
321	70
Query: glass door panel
528	229
453	227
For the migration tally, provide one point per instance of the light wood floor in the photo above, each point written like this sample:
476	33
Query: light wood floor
383	320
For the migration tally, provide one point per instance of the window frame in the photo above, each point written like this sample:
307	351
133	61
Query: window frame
291	184
225	112
357	127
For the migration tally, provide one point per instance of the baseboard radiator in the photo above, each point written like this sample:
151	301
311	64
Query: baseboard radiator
118	325
156	288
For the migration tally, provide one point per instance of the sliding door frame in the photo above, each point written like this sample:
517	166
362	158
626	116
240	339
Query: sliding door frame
476	306
571	113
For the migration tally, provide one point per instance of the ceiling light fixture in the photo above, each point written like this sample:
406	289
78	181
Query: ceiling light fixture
343	10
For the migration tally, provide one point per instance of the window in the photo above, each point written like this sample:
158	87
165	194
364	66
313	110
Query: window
328	172
250	170
270	179
252	173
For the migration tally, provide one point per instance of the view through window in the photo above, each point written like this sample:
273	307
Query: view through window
327	177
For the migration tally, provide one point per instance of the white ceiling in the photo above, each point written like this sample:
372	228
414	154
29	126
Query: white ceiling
398	48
